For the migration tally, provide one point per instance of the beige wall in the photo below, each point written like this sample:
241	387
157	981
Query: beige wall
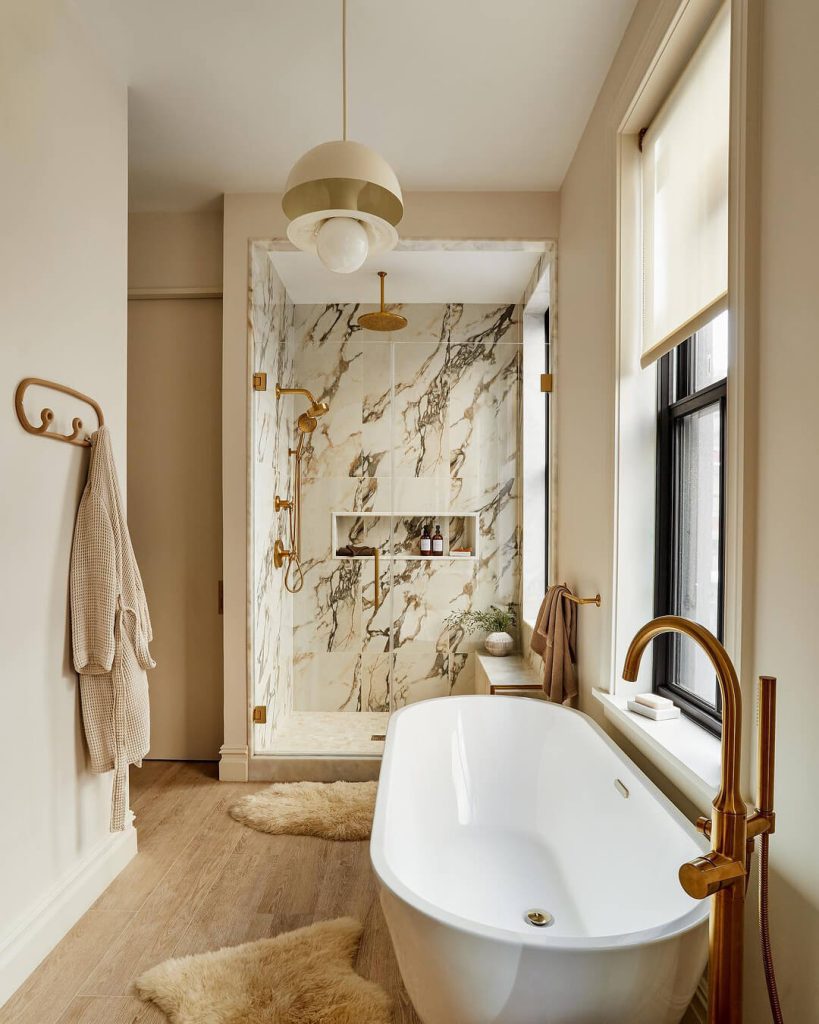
490	215
174	469
785	640
63	202
175	250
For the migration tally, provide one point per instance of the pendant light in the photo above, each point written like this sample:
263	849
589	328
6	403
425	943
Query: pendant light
342	199
383	319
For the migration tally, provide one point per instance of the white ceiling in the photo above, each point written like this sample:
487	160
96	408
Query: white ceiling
225	95
426	276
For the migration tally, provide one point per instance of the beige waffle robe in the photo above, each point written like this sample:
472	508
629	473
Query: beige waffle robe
110	628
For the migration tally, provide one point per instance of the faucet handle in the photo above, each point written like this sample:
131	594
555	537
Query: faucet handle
703	826
706	875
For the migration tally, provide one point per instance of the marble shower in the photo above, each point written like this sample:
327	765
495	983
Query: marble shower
423	428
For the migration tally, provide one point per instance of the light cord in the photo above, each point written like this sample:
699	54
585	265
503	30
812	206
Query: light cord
344	68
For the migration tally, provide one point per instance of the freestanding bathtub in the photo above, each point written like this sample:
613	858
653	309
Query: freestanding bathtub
490	808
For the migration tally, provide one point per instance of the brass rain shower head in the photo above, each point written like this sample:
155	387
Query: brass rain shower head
383	320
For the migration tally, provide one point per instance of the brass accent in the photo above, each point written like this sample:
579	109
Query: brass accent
585	600
546	383
383	319
539	918
259	714
47	415
260	382
723	872
306	423
378	737
280	554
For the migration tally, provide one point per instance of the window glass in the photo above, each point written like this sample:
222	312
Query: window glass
697	575
711	353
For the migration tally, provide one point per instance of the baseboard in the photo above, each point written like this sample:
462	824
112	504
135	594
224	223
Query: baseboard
288	768
32	938
233	764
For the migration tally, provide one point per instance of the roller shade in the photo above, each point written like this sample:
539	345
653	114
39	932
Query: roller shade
685	199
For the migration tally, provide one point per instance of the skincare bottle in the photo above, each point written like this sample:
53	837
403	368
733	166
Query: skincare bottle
437	541
426	541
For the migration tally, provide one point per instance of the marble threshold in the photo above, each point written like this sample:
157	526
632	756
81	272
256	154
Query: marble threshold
345	733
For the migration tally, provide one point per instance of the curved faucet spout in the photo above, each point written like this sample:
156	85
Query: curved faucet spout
729	798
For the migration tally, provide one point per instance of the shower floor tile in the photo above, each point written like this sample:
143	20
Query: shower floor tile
348	733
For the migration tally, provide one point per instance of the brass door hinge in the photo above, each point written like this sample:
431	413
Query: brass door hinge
260	714
546	383
260	382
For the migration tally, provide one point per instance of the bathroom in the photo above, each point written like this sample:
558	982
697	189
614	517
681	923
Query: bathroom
465	445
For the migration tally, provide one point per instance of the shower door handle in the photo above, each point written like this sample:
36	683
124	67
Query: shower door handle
376	580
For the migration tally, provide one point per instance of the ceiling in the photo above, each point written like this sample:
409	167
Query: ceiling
225	95
494	277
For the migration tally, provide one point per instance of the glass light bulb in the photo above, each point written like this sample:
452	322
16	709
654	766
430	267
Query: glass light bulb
342	244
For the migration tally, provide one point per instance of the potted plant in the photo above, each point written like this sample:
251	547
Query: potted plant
495	621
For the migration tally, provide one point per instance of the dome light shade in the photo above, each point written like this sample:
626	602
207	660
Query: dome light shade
342	244
343	180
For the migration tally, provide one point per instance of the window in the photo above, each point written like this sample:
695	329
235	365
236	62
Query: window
690	513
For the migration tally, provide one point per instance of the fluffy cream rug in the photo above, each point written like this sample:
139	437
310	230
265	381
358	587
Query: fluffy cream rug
301	977
329	810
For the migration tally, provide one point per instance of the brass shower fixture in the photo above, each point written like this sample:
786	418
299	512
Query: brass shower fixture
383	319
306	424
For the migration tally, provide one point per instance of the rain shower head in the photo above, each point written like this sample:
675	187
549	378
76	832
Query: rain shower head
383	319
318	409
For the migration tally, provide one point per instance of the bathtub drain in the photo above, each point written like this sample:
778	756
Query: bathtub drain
539	918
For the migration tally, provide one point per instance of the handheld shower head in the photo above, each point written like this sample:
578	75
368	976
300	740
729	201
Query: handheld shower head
306	423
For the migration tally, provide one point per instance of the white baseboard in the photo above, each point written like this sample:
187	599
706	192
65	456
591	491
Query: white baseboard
29	940
233	764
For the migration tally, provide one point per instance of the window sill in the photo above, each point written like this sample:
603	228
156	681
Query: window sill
687	754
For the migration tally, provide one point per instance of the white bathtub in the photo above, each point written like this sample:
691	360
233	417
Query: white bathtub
489	807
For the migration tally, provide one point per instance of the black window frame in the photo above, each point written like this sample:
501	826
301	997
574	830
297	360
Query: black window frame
677	400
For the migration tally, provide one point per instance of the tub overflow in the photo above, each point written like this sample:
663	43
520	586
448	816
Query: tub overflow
539	918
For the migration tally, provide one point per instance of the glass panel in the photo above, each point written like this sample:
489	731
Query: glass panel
711	353
698	541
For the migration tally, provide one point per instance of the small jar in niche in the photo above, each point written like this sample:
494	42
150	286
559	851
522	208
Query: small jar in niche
426	541
437	541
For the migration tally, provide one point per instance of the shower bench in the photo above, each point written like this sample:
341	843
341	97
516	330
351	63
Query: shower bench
512	676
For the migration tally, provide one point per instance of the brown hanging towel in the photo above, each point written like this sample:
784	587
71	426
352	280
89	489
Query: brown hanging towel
555	639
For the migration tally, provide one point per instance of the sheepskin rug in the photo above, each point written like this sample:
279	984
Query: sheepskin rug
300	977
329	810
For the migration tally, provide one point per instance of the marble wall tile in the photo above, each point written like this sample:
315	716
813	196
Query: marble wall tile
422	424
327	681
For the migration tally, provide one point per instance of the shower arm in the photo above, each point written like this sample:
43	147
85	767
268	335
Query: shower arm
295	391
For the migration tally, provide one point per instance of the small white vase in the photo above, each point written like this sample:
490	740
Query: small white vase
499	644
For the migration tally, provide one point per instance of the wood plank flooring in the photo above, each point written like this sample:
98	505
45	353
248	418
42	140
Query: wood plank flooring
200	881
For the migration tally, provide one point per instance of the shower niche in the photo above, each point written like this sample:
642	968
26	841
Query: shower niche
422	428
399	536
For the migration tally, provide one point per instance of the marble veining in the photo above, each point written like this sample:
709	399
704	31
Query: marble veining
423	424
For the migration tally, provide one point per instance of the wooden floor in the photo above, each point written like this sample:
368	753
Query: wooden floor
200	881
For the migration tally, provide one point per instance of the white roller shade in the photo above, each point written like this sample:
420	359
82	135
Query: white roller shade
685	199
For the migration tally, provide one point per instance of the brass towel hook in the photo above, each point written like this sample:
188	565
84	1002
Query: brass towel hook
47	415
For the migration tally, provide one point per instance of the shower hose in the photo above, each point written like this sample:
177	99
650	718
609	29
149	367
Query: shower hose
765	931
